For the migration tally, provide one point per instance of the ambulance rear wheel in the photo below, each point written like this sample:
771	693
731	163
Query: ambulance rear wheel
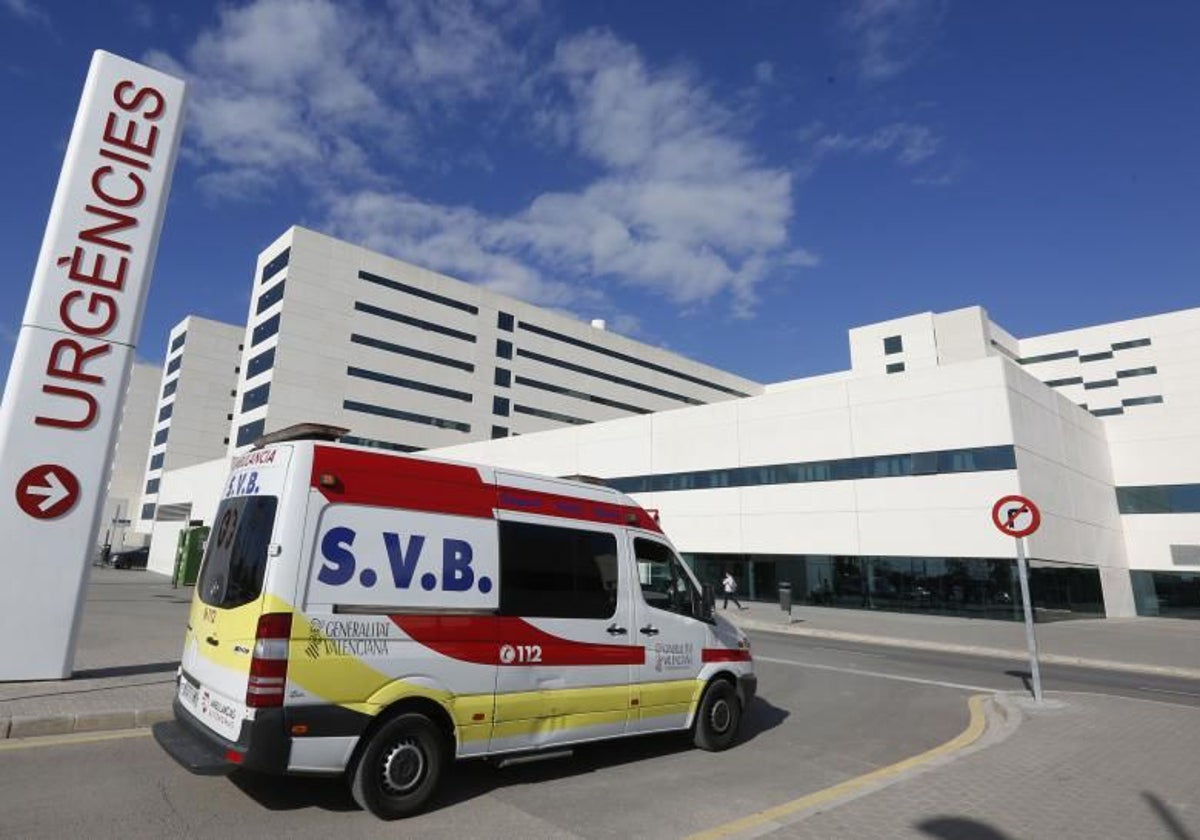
399	770
717	718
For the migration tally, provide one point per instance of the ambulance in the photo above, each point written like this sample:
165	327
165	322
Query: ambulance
380	615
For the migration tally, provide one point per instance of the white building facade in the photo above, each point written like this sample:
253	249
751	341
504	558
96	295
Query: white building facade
127	477
873	487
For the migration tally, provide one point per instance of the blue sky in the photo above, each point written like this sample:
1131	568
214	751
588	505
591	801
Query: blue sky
739	182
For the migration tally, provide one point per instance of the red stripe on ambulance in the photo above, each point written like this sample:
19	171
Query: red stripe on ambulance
507	640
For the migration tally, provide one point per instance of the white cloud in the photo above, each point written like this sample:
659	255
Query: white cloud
889	36
345	101
912	143
26	11
764	72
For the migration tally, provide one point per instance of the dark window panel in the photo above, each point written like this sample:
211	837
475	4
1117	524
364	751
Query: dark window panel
579	395
178	341
395	285
400	350
608	377
397	414
552	572
256	397
1095	357
1151	400
276	265
504	349
1070	380
428	326
265	330
1049	357
504	321
895	367
1142	371
270	297
174	364
549	415
503	377
411	384
250	432
264	361
500	406
1127	345
1101	383
893	344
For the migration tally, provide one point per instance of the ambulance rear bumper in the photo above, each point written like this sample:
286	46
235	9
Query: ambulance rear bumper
261	745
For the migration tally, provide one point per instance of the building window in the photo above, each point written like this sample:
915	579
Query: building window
665	585
579	395
893	344
401	350
160	436
504	321
256	397
371	443
156	461
415	292
633	360
250	432
499	432
1107	412
551	572
1159	498
397	414
1070	380
504	349
276	265
170	387
1142	371
607	377
265	330
148	510
1095	357
261	363
178	341
420	324
1100	383
500	406
411	384
503	377
174	364
1154	400
550	415
270	297
895	367
165	411
1050	357
152	486
1127	345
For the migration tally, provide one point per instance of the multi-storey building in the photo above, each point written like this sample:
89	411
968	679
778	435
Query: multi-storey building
127	476
873	487
194	408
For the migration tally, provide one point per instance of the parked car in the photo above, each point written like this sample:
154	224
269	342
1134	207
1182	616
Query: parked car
132	558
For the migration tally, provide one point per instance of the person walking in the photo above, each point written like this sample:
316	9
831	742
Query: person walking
729	585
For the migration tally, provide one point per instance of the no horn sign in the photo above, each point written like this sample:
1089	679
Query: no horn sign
1016	516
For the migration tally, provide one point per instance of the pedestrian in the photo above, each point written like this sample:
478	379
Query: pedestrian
729	585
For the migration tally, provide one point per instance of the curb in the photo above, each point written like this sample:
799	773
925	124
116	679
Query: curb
970	650
31	726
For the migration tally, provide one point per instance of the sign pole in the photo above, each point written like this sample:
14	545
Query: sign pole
1030	638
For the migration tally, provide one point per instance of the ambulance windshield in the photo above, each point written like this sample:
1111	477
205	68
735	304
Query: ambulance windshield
236	558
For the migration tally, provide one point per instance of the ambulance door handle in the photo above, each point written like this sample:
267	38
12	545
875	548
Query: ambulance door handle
614	630
650	630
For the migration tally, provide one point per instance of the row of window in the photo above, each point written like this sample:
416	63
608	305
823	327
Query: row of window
550	415
579	395
397	286
1153	399
411	417
1087	357
270	297
419	323
633	360
980	459
411	352
1161	498
372	443
411	384
608	377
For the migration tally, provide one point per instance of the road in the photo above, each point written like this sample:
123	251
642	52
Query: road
826	713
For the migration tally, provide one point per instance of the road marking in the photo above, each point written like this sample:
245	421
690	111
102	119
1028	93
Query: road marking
68	739
1168	691
879	675
975	728
847	650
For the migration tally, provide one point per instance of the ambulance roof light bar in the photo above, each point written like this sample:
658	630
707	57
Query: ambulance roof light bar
301	431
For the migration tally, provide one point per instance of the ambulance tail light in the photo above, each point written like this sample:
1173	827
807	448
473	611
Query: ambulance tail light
268	667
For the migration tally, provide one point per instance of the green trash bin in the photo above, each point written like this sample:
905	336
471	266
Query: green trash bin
189	550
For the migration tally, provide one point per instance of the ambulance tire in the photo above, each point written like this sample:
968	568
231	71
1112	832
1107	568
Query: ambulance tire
718	717
399	770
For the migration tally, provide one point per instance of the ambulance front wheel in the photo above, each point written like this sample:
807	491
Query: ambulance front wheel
718	717
398	771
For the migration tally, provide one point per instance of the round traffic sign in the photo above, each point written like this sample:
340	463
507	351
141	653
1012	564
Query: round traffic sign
47	491
1016	516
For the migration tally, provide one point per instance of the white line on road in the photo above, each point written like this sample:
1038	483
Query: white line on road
1168	691
879	675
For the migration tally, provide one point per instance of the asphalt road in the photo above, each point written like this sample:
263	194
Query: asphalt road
826	713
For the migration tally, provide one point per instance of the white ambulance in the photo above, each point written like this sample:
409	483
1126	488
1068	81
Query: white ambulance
380	615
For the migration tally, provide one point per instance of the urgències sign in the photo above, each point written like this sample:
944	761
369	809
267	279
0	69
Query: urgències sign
62	401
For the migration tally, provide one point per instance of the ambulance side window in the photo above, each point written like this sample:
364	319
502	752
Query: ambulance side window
551	572
665	585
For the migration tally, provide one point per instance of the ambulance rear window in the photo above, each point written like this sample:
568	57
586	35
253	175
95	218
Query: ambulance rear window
236	558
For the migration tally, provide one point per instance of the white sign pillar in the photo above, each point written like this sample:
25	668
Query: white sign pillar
62	401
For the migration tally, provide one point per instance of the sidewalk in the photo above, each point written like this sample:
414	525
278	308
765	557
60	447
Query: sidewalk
1082	766
133	624
1169	647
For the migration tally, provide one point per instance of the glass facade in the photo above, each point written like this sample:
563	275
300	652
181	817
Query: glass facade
972	587
1163	498
1169	594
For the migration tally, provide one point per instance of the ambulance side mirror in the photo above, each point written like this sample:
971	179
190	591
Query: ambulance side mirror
709	603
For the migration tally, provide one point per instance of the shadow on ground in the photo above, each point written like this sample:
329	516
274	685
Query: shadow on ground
471	779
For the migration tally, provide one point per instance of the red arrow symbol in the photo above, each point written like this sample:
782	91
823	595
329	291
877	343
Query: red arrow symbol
47	491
